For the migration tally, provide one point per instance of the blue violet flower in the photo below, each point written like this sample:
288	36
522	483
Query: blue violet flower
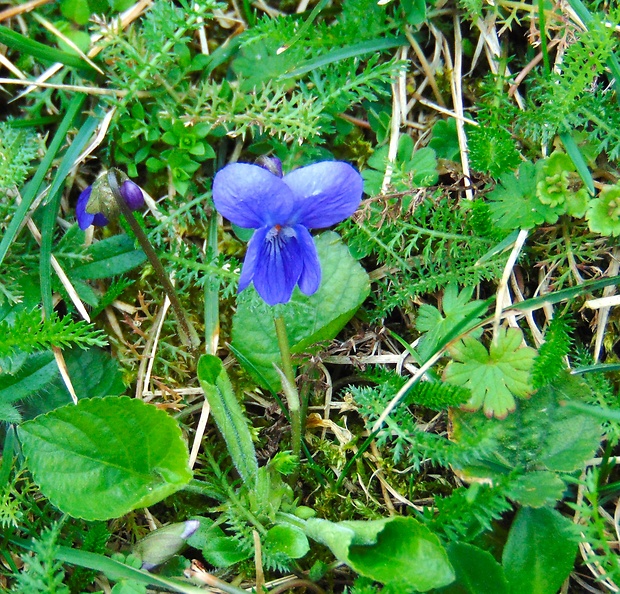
96	204
281	253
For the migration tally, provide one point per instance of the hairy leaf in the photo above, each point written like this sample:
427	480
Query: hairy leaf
540	551
229	416
542	438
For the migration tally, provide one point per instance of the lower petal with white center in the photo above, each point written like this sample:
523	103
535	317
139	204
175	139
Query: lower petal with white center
278	265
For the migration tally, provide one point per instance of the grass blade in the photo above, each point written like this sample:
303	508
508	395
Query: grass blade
51	209
40	51
32	188
366	47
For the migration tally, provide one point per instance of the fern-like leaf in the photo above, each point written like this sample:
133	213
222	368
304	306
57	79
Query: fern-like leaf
549	362
466	513
438	395
29	333
42	572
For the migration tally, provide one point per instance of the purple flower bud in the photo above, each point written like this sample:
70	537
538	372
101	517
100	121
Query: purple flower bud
132	194
271	164
162	544
85	219
97	204
190	528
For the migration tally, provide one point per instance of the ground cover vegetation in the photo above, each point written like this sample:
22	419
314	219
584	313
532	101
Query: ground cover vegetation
309	296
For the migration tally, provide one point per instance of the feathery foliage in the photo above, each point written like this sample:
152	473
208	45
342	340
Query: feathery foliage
550	360
29	333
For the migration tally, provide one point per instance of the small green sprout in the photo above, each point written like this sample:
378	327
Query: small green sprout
604	212
555	185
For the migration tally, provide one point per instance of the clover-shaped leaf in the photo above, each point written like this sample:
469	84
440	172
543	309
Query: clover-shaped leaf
495	376
456	307
514	204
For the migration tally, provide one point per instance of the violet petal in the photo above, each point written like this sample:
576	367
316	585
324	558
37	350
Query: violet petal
100	220
84	219
310	278
326	193
249	264
132	193
252	197
278	266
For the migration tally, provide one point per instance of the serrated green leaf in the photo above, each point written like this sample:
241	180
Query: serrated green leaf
217	548
456	307
537	488
104	457
400	551
36	372
495	377
540	436
93	372
445	140
514	203
225	551
229	416
540	551
9	413
309	319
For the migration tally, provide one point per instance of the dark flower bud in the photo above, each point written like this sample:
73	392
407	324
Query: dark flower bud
132	194
97	204
271	164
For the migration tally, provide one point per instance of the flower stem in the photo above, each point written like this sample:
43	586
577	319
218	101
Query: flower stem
288	385
212	302
187	333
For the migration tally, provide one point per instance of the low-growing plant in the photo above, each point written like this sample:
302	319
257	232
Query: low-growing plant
386	236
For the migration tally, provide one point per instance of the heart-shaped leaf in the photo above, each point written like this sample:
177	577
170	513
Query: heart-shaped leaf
309	319
105	456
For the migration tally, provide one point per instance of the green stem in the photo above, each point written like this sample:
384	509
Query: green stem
212	290
187	333
288	385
